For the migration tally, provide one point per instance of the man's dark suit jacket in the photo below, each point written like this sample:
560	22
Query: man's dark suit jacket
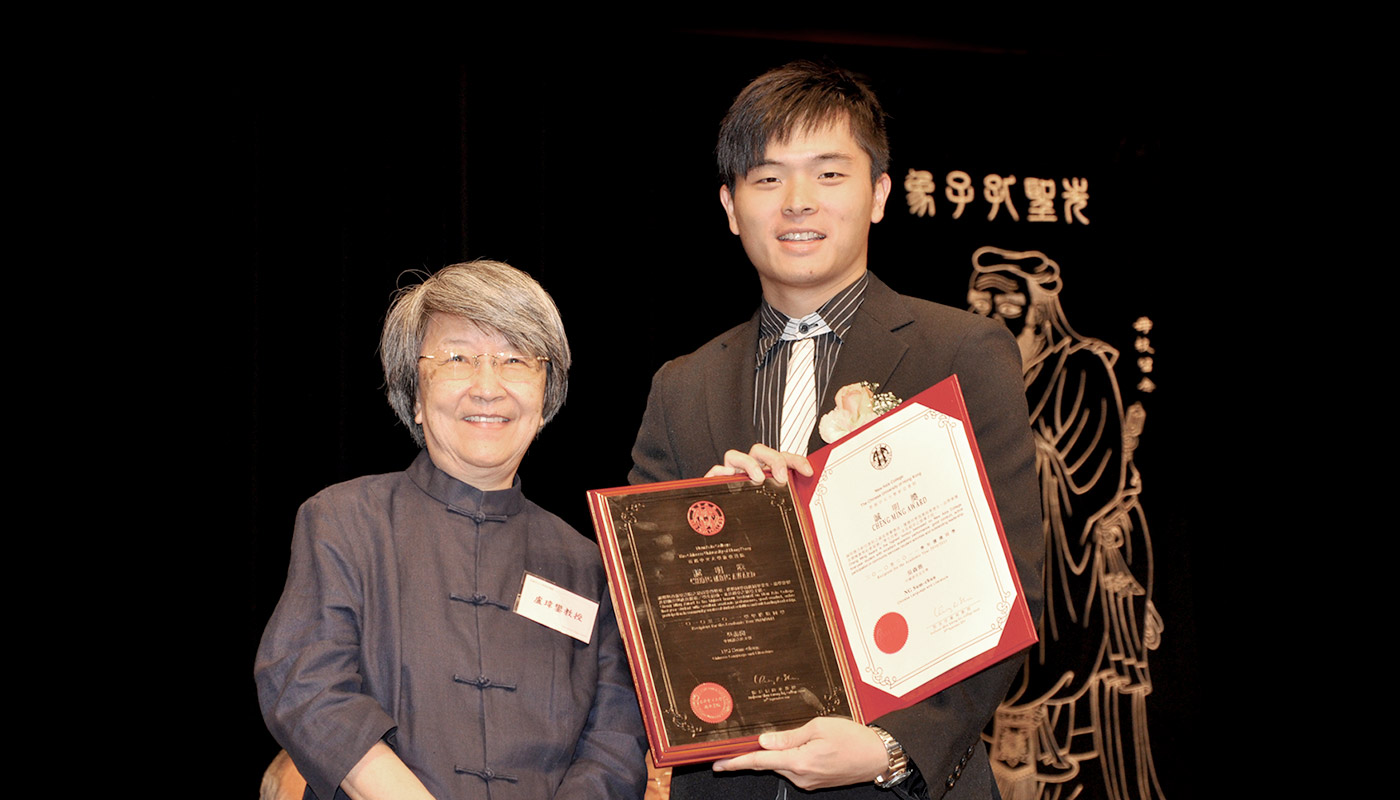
702	405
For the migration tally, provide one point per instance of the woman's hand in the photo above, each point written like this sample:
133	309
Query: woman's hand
381	775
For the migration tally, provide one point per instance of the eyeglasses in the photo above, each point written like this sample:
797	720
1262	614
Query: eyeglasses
451	366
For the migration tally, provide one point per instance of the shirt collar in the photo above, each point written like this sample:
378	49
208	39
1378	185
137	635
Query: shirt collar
837	313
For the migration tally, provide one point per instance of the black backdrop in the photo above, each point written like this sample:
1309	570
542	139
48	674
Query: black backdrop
587	164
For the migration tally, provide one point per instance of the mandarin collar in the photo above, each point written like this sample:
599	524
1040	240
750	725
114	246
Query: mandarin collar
463	497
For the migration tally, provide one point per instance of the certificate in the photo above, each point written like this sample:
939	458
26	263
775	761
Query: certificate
870	586
721	611
909	543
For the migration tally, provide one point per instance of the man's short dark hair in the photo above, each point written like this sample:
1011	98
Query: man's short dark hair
799	97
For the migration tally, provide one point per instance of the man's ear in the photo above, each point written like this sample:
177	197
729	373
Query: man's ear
882	193
727	200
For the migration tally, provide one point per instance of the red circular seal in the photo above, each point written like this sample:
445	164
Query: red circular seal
711	702
705	518
891	632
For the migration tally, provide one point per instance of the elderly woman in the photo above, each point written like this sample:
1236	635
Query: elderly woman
440	635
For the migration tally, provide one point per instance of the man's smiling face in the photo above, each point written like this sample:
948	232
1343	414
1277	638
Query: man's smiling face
804	215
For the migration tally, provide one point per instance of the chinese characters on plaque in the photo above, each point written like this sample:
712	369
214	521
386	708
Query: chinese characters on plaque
1041	199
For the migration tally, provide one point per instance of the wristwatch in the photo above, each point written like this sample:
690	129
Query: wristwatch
898	768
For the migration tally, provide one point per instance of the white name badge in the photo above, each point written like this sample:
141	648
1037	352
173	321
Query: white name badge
553	606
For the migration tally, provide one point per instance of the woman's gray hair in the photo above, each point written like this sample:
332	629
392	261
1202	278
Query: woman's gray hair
494	296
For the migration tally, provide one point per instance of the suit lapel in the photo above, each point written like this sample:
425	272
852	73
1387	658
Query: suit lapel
729	392
871	351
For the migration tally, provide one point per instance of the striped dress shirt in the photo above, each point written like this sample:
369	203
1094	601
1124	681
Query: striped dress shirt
772	355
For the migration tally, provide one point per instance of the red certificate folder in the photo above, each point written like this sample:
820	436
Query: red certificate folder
731	617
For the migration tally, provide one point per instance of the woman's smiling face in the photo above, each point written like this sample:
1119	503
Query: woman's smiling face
476	429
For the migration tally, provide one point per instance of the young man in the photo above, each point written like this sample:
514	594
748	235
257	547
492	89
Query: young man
803	155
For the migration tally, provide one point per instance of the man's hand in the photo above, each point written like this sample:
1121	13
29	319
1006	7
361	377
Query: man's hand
826	752
758	457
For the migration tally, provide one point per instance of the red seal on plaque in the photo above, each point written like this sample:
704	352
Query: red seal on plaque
711	702
705	518
891	632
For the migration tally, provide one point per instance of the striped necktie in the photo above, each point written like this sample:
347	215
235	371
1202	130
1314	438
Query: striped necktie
800	389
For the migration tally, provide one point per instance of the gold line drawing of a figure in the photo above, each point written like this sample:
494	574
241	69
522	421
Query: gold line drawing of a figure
1082	694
